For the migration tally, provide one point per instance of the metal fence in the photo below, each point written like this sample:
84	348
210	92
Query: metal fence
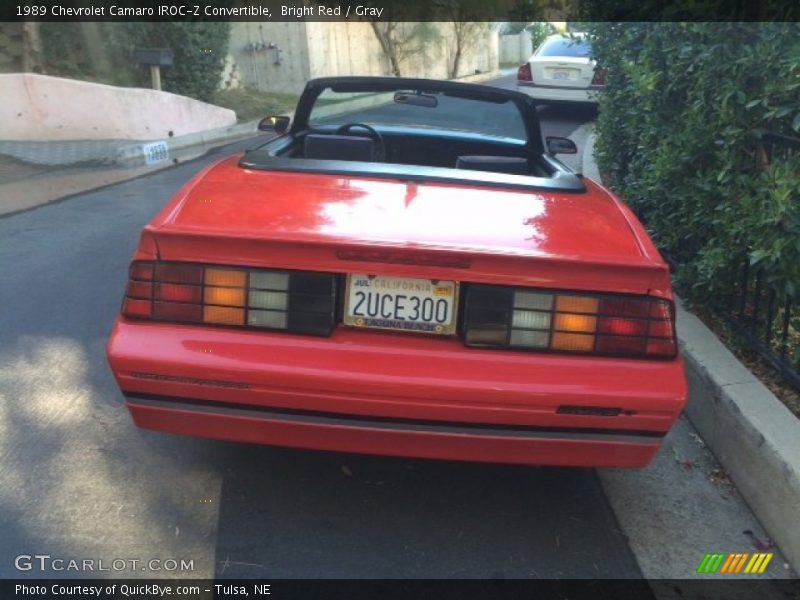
769	322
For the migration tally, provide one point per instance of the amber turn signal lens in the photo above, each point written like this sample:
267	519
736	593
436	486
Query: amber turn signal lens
295	301
226	277
577	304
224	296
223	315
575	323
603	324
572	341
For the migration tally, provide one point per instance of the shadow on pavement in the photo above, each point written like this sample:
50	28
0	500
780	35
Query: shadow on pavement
292	513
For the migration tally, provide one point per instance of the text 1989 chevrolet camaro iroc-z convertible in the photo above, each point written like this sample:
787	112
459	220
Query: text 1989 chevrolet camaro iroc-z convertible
406	270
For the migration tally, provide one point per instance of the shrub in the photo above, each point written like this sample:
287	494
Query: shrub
539	32
199	50
680	137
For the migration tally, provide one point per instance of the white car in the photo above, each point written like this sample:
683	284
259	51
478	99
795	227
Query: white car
562	70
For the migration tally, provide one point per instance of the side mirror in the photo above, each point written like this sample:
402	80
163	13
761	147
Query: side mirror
560	145
279	124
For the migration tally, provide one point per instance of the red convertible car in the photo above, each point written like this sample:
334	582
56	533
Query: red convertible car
407	270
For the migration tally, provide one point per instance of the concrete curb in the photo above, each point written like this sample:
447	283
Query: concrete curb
751	433
137	154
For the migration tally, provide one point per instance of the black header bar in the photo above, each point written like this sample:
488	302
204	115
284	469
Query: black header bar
394	11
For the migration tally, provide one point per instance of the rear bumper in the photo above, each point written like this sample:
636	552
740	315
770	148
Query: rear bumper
559	94
394	394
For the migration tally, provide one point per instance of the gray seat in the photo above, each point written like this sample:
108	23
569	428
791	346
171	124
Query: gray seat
339	147
497	164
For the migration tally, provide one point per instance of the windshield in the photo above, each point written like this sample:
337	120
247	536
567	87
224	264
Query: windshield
564	46
380	109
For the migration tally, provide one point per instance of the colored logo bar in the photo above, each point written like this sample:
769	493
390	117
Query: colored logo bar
735	562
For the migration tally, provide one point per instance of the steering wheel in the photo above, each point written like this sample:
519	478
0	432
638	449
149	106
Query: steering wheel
373	134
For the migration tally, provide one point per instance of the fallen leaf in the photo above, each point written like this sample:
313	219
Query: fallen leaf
719	476
697	439
762	545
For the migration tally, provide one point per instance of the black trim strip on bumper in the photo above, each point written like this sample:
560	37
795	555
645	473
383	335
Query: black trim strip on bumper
392	423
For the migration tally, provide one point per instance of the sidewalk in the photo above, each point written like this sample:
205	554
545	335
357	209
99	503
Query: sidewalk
751	433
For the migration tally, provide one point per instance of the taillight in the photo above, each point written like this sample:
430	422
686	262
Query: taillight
294	301
599	76
524	73
619	325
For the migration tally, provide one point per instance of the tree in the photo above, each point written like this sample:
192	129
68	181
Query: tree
76	49
404	29
465	17
513	28
539	32
465	32
199	49
400	40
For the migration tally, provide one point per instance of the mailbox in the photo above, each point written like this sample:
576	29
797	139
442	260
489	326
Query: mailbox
161	57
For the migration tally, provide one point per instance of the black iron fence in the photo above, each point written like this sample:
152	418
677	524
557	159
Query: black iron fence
768	320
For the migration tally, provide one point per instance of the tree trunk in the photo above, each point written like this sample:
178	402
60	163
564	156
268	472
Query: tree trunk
385	40
31	48
456	59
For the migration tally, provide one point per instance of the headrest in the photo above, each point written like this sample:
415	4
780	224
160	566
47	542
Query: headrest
339	147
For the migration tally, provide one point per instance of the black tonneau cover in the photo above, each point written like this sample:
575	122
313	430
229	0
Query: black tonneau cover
560	181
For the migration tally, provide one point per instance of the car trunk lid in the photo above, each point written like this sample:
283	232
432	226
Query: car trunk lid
339	223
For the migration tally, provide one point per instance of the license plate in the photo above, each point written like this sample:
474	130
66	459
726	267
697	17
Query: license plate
561	75
401	303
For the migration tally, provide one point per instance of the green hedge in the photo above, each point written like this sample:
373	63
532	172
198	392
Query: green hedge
680	131
199	52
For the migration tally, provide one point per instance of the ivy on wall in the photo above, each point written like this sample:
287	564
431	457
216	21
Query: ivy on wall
104	52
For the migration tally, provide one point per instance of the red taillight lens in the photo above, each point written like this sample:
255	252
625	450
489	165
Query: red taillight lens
139	309
175	292
524	73
142	271
191	293
139	289
174	311
599	76
570	322
618	326
177	273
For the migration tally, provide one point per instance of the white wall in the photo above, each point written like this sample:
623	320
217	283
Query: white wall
43	108
516	48
282	68
318	49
